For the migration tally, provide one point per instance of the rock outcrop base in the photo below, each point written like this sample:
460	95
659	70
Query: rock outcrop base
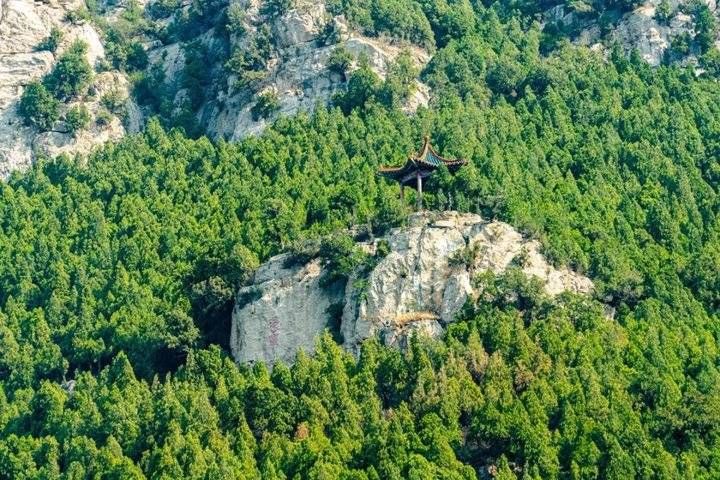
417	287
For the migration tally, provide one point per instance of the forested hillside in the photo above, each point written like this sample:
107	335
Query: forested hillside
118	271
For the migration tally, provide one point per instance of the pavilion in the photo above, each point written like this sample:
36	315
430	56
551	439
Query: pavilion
417	167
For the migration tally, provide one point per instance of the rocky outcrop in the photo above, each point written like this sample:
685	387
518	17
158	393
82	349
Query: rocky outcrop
640	29
112	127
423	275
285	308
298	72
23	26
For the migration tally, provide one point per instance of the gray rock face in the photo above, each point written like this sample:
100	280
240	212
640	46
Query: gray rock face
638	29
282	311
23	25
298	70
418	287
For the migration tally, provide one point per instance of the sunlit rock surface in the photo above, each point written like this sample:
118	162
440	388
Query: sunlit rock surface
418	287
24	24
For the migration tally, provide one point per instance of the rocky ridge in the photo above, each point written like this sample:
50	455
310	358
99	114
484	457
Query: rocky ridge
298	73
23	26
423	275
640	29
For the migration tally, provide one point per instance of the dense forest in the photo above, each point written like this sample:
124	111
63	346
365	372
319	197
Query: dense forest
118	271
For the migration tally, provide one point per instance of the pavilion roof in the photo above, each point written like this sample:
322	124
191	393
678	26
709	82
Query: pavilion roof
427	159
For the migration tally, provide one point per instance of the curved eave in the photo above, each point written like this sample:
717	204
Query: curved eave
426	160
450	164
429	152
398	172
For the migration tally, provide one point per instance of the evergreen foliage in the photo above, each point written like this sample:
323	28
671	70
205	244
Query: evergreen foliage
77	118
38	107
117	276
71	74
267	104
53	40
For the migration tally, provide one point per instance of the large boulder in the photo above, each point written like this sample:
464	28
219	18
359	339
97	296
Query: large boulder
418	286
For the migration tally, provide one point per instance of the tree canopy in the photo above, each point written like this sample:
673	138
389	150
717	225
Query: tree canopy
117	276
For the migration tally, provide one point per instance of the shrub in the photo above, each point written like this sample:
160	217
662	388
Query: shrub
103	118
663	12
276	7
77	118
123	53
235	19
38	107
342	257
137	58
52	42
405	20
72	73
250	64
680	44
329	34
162	8
400	81
196	77
705	26
113	101
710	61
340	61
267	103
149	87
362	87
78	16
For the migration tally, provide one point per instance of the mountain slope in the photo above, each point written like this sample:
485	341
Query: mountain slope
118	272
24	28
229	68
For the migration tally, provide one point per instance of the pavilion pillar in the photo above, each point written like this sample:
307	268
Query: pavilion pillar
419	190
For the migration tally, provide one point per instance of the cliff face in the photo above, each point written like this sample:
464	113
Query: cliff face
643	29
23	26
284	310
298	71
418	284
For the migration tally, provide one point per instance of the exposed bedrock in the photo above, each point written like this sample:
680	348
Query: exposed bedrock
418	286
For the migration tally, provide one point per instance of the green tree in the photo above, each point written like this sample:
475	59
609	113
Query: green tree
266	105
52	42
663	12
38	107
362	86
705	26
77	118
340	61
72	73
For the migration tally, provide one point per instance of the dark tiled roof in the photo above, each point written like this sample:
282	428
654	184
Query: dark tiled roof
426	159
